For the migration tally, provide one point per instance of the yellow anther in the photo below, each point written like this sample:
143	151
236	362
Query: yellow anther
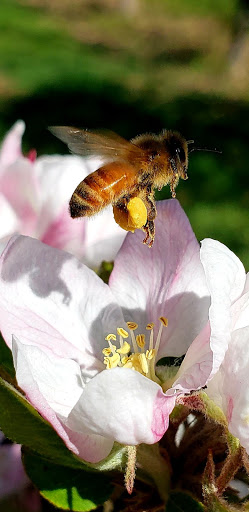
125	349
143	363
112	361
136	364
150	326
164	321
107	351
122	332
132	325
111	337
128	364
140	339
150	354
139	354
107	362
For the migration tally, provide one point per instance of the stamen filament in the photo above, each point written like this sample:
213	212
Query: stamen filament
164	323
132	327
150	327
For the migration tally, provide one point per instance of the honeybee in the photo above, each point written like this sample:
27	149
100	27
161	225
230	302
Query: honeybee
131	169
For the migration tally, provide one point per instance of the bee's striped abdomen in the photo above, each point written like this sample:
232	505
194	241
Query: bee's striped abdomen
100	188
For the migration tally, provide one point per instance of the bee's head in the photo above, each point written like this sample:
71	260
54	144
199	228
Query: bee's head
177	149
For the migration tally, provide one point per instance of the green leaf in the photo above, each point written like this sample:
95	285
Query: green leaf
67	488
6	361
182	502
21	423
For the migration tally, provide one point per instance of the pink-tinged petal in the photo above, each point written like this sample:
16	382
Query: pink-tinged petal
49	299
121	404
11	148
225	276
163	406
13	478
19	186
197	365
58	177
58	379
66	233
35	383
234	386
167	280
92	240
9	221
89	447
32	155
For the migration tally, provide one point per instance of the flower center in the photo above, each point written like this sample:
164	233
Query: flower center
134	354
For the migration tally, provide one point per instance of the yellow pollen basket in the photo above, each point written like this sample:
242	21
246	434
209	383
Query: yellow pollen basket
134	217
135	355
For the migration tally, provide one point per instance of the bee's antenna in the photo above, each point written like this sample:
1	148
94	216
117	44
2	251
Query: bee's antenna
206	149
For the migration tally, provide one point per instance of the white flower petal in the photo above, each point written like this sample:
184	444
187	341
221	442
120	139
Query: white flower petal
197	365
48	298
9	221
58	379
240	312
167	280
246	289
11	147
225	276
38	389
121	404
103	238
233	382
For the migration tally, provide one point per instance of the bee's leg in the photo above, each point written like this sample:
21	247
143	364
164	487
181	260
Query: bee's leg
149	227
122	203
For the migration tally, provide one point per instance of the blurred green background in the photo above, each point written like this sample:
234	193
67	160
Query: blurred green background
135	66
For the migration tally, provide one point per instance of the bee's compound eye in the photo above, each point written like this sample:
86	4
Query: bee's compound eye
153	155
180	152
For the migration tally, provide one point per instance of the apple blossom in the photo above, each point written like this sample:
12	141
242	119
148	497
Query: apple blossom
76	350
34	197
